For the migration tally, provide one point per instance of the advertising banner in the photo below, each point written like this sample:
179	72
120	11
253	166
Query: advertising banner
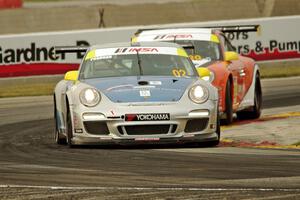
33	54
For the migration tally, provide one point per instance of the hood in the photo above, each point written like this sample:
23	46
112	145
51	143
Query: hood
142	89
204	62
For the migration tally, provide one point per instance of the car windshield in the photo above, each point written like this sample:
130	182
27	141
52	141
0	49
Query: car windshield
198	50
128	65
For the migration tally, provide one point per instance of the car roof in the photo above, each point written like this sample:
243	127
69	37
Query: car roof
136	44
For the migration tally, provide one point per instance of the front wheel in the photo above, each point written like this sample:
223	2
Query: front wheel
228	105
58	138
254	111
69	129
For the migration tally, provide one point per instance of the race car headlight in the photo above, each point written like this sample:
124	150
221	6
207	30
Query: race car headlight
198	94
209	78
89	97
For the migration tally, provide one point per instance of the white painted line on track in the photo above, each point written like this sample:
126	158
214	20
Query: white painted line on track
148	188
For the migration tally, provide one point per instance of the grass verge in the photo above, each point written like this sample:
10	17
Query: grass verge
36	89
297	143
277	71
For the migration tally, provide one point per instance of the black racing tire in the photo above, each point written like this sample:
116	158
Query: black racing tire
58	138
255	111
69	128
228	105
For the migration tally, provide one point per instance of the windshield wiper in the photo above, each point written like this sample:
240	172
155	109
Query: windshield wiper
139	62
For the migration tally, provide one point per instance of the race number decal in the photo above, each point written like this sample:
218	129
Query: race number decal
195	57
178	72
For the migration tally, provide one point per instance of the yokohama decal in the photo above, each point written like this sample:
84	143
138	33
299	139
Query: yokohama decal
147	117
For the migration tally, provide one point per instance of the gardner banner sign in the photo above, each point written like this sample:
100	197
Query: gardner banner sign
34	54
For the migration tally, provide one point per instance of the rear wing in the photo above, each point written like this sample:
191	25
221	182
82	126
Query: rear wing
70	49
236	28
224	29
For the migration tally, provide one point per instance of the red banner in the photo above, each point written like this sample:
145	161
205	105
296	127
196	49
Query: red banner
11	3
23	69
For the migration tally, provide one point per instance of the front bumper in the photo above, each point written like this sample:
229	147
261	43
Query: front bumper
83	140
113	129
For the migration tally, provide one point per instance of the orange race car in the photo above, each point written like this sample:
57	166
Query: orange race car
236	77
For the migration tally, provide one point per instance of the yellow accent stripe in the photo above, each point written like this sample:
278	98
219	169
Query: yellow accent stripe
214	38
258	32
267	117
182	53
90	55
289	114
250	145
134	39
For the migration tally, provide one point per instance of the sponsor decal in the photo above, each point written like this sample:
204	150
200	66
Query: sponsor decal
261	49
173	36
36	59
35	54
145	93
101	58
147	117
136	49
155	82
147	139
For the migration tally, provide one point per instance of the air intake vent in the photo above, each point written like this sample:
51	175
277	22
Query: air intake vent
96	128
196	125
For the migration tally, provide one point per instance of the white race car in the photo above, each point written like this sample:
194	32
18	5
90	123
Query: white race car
129	93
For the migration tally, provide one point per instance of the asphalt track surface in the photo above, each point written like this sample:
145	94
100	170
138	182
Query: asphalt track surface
32	166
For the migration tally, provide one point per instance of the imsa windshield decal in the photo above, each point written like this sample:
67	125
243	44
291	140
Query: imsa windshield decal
105	53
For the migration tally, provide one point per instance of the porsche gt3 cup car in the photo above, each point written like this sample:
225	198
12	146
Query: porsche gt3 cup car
236	77
129	93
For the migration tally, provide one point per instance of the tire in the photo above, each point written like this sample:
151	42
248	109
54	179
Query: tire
58	138
69	129
255	111
228	105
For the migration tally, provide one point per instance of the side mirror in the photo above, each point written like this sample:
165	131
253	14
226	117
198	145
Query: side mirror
231	55
71	76
203	72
